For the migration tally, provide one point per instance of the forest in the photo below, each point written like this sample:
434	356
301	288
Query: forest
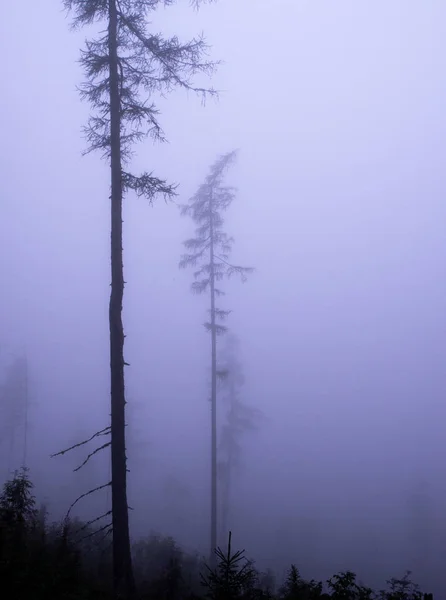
221	368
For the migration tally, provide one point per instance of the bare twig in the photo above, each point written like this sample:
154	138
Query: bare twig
104	431
85	525
92	454
108	527
96	489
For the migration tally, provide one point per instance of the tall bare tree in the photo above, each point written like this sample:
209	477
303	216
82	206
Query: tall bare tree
125	66
209	251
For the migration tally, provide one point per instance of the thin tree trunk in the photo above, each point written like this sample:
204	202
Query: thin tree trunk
225	507
213	398
122	562
226	500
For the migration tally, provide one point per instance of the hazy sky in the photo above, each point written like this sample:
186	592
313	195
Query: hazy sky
337	108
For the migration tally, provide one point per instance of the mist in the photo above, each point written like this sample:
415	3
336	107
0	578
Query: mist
337	109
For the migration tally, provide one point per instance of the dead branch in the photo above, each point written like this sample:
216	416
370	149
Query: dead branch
92	454
96	489
108	527
104	431
93	521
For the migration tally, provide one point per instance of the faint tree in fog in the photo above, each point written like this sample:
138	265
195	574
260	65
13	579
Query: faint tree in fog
125	66
14	412
209	252
240	417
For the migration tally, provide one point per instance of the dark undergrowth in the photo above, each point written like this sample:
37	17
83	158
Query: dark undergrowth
71	561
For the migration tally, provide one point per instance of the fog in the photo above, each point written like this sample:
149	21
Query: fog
338	111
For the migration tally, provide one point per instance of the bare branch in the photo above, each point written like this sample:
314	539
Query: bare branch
108	527
92	491
92	454
104	431
88	523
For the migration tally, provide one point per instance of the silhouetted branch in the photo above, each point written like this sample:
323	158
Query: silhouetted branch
86	525
92	454
104	431
96	489
108	527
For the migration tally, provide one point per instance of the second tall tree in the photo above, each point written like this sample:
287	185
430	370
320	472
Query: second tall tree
209	252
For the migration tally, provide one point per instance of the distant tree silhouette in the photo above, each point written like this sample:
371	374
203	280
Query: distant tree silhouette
295	587
209	252
124	66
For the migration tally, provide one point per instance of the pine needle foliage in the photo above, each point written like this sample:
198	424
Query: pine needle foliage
17	502
232	578
296	588
403	589
211	247
343	586
148	65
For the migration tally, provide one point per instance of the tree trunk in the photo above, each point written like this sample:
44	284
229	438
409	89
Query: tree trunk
122	562
213	398
226	496
224	506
